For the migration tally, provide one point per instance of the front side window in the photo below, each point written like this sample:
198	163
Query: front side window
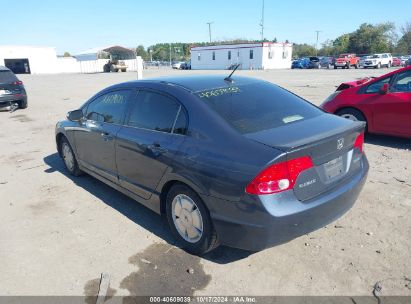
251	54
108	108
376	86
154	111
402	83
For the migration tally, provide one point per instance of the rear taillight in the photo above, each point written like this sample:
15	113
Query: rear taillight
18	82
359	142
279	177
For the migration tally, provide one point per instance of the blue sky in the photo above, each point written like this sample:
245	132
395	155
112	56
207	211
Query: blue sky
78	25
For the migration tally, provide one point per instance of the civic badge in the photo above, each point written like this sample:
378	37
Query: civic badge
340	143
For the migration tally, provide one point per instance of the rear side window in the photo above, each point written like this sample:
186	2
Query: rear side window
109	107
402	83
258	106
180	126
7	76
154	111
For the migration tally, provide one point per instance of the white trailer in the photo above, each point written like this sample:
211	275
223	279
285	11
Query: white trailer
266	55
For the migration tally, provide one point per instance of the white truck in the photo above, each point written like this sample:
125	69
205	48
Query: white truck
378	60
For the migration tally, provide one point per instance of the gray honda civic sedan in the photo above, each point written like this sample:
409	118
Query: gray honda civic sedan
234	161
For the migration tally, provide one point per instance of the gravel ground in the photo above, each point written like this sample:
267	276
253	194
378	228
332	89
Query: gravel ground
59	233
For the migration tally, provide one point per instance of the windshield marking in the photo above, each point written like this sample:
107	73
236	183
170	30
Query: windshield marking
218	92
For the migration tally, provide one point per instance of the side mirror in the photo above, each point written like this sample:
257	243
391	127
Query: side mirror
384	89
75	115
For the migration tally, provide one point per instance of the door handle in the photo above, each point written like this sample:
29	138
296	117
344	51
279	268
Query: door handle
156	148
106	136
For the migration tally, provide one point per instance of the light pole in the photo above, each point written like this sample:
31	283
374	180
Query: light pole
151	54
316	43
209	29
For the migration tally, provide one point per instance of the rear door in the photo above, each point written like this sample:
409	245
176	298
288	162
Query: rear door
145	147
392	111
96	135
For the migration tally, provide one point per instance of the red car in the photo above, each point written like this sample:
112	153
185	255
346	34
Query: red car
384	103
396	62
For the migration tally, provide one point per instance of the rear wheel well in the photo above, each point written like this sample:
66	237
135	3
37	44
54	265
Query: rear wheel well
355	109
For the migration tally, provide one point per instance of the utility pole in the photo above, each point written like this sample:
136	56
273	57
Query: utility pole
209	29
262	23
316	43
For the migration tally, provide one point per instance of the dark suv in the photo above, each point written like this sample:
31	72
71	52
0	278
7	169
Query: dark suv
11	90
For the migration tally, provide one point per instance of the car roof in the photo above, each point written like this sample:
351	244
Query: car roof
197	83
3	68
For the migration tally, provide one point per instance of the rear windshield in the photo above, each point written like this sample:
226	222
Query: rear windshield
7	76
258	106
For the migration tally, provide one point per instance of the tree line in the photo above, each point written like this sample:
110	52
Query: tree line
367	39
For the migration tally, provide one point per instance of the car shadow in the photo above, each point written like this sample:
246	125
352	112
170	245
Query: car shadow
388	141
136	212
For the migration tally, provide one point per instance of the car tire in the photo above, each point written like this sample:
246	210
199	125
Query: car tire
23	104
352	114
69	158
335	67
356	66
186	212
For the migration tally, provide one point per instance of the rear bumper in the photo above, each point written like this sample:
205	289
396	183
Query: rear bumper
6	100
256	223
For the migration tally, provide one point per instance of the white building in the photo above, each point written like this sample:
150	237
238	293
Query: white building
266	55
28	59
22	59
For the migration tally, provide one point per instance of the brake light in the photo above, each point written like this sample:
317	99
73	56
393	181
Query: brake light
359	142
18	82
279	177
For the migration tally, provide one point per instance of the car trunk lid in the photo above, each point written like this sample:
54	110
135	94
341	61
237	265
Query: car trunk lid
327	140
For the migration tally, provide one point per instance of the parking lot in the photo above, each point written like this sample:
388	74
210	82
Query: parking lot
58	233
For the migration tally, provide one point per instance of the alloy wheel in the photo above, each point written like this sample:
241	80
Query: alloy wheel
349	116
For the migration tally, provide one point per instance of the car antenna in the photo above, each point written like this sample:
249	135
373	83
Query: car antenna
229	77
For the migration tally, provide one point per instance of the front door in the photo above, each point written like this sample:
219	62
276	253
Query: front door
147	143
392	111
96	136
